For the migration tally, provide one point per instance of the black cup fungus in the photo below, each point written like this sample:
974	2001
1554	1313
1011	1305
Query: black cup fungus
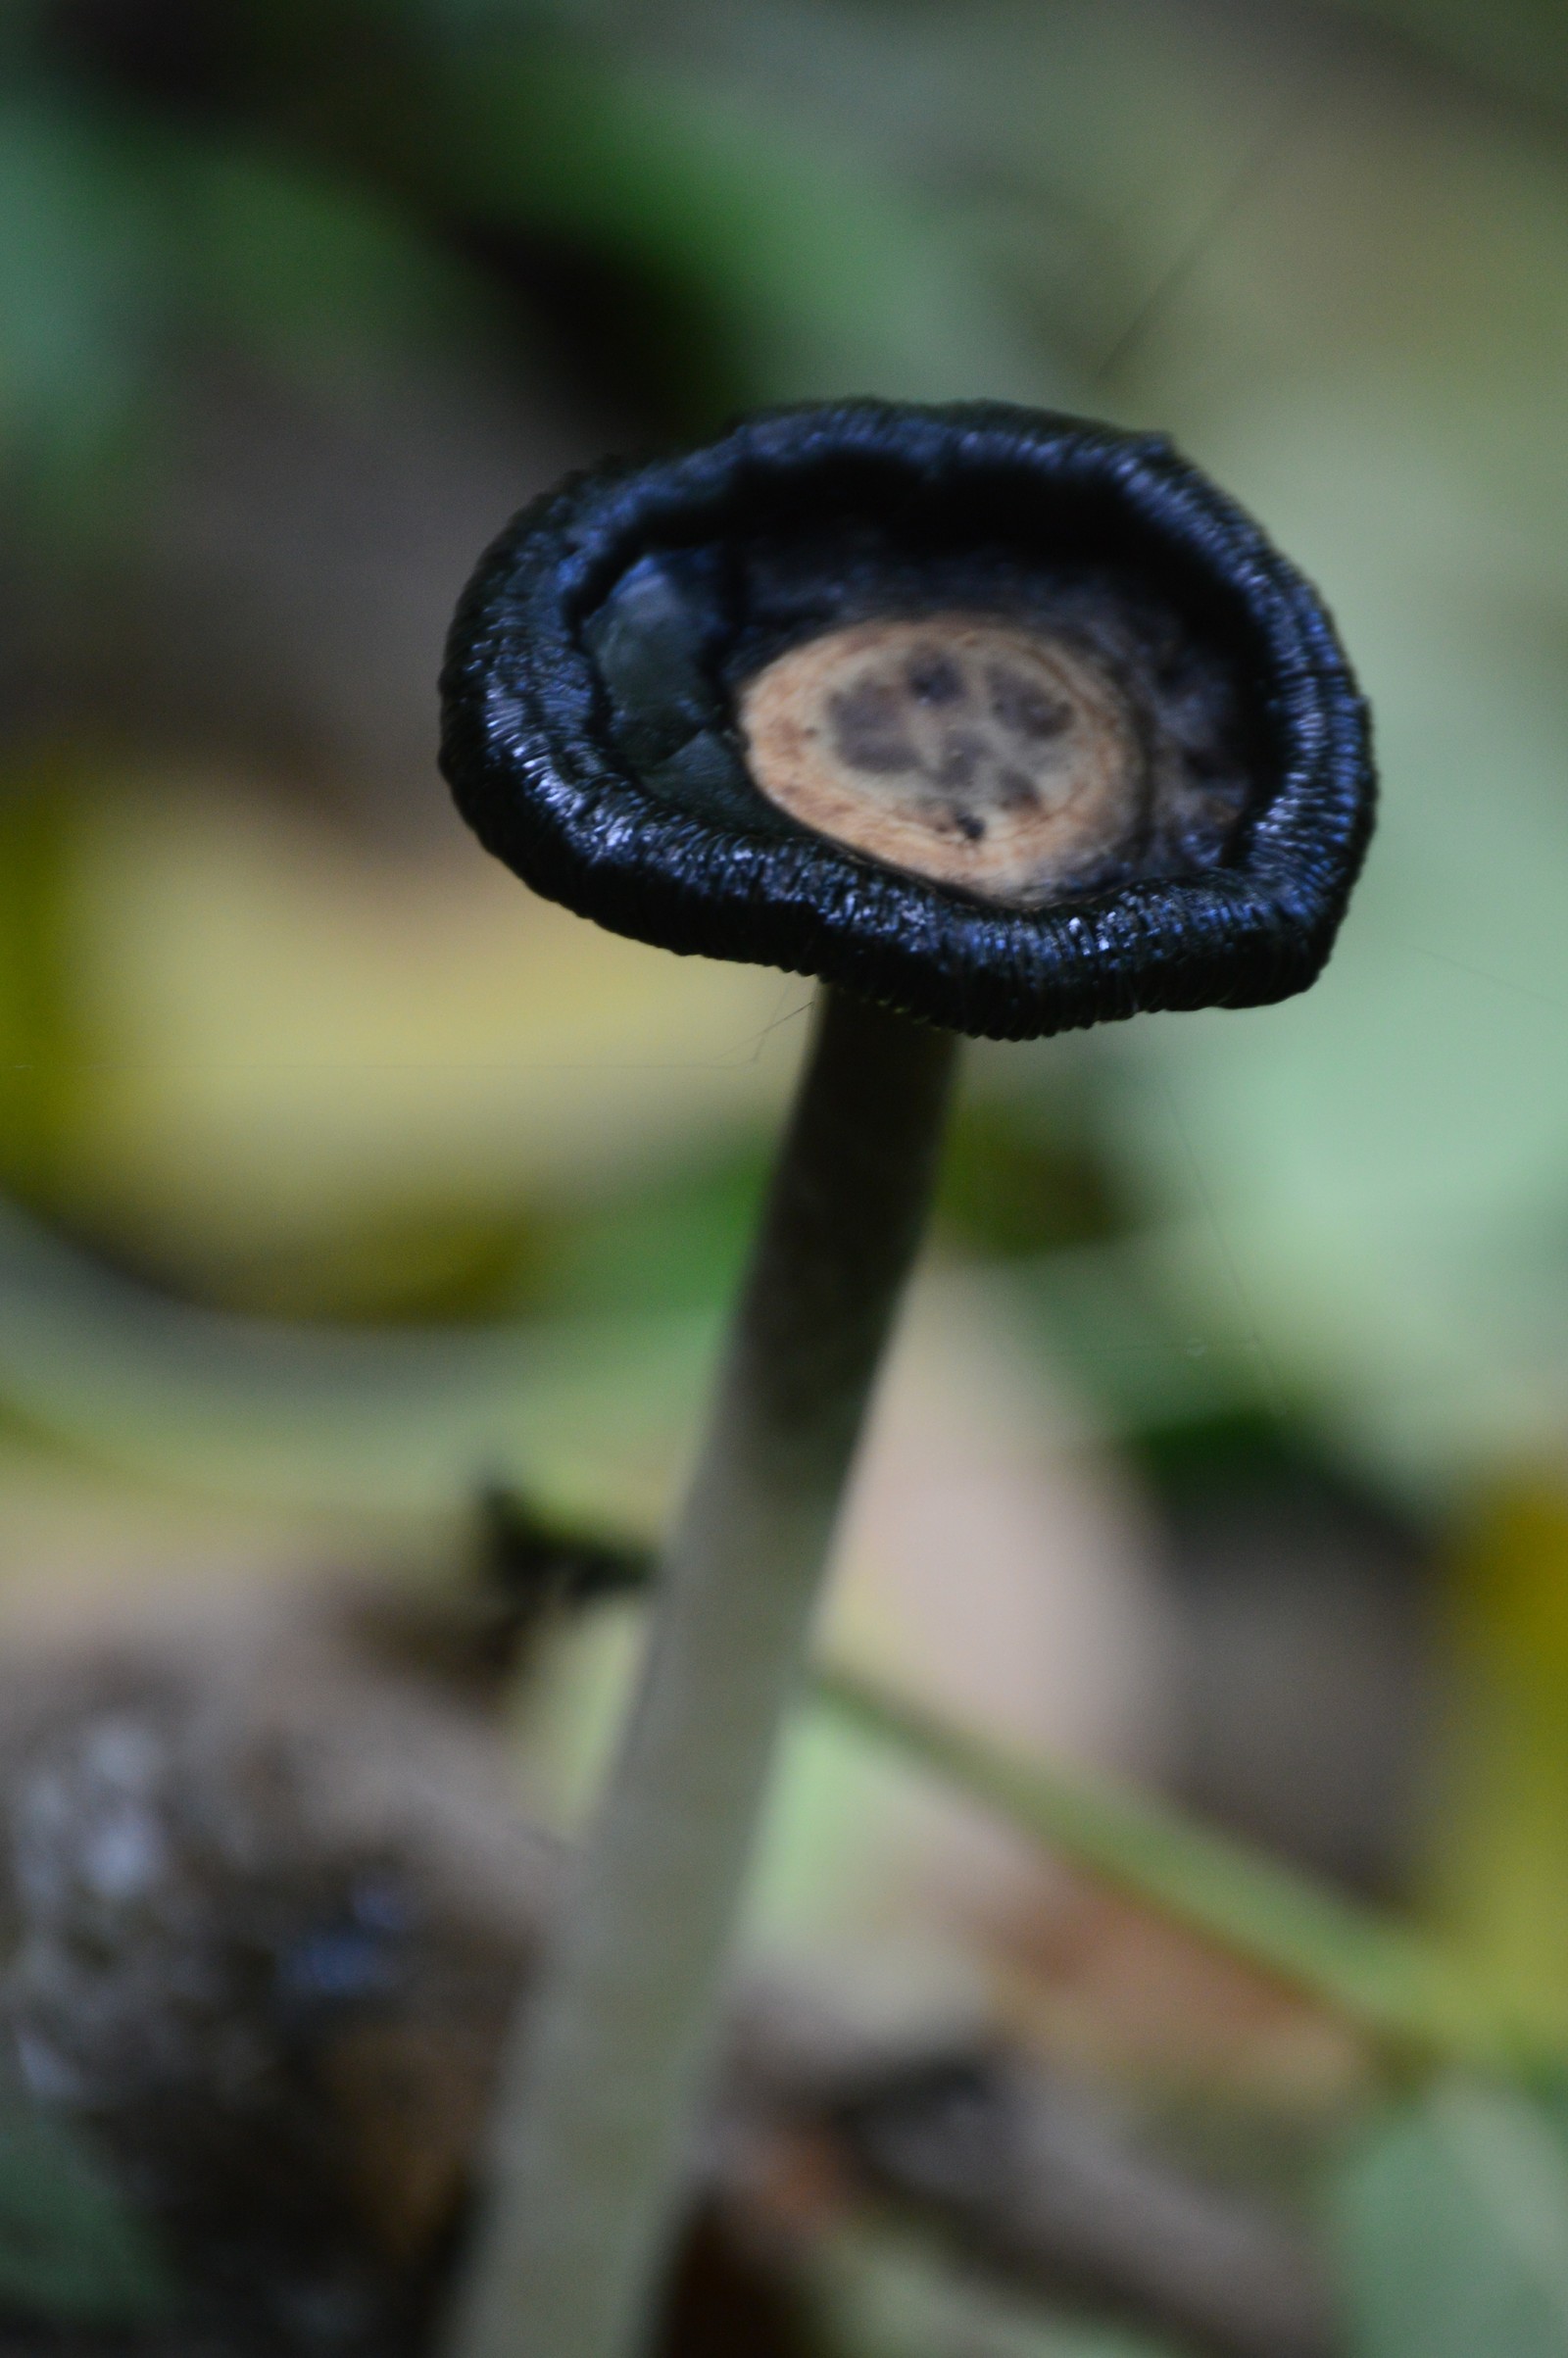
1002	719
996	722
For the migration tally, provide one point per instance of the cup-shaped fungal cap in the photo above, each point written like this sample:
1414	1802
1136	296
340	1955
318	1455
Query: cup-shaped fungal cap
1004	719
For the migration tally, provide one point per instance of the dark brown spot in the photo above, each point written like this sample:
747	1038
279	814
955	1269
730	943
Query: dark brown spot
1015	791
1024	706
972	829
869	729
933	677
961	754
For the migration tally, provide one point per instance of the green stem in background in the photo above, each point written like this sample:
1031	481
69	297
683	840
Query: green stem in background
1387	1977
599	2095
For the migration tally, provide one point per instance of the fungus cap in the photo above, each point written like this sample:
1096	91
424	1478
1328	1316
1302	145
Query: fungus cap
1001	718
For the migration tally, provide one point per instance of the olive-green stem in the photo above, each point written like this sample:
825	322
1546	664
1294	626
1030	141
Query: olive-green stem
609	2066
1395	1980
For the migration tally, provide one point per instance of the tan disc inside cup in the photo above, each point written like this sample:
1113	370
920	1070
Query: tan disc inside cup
960	747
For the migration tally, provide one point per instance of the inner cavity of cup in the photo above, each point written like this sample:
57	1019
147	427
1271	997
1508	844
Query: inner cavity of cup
1014	727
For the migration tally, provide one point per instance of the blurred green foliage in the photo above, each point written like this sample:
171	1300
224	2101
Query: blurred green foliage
887	2294
40	1051
758	201
343	193
1453	2221
1519	44
1499	1872
70	2247
1387	1977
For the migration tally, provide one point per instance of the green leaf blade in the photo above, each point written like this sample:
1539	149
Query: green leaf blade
1451	2230
1377	1972
69	2249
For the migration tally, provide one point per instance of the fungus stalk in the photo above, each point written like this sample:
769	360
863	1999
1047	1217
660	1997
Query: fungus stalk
599	2095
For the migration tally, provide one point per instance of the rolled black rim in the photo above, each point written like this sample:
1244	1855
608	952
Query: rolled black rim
530	749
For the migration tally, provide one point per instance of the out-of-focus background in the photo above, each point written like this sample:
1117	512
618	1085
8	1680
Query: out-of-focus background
342	1182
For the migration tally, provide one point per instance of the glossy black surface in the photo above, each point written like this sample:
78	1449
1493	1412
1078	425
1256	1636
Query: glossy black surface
588	729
